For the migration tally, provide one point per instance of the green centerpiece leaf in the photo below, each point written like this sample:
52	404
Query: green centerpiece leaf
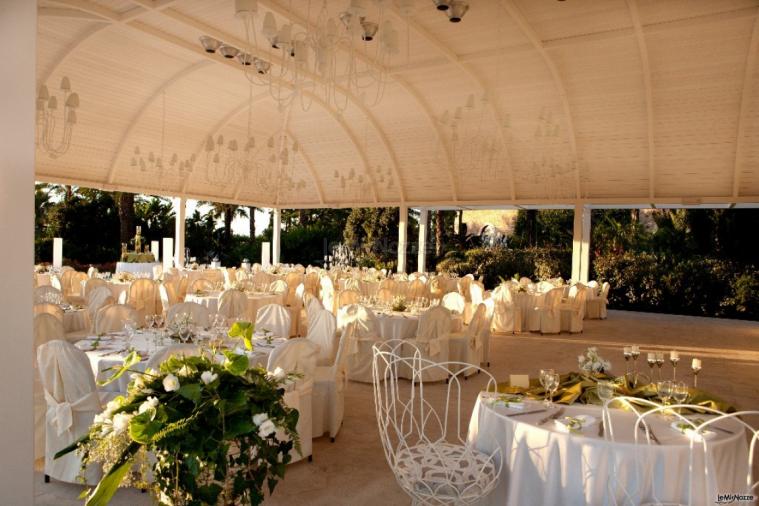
243	330
190	391
130	360
235	364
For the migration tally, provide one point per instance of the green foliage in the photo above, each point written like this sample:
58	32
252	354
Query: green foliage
219	435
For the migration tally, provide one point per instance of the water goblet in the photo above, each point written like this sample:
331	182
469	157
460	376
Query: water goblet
544	382
664	391
554	380
680	392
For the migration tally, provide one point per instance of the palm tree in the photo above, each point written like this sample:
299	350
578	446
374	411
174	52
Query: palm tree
126	216
227	212
252	223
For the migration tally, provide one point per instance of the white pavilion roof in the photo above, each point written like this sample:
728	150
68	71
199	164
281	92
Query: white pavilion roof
596	101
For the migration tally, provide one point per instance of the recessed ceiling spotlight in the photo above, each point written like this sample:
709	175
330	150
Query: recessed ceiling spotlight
210	45
457	11
228	52
442	5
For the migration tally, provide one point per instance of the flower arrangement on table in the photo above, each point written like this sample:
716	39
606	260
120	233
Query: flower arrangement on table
132	257
123	277
219	432
592	363
399	304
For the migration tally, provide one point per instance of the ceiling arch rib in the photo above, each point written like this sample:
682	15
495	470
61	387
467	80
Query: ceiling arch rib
516	14
65	52
646	68
144	107
469	71
745	98
193	23
285	123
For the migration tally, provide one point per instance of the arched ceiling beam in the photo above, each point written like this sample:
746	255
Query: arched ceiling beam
309	166
63	12
516	14
285	123
646	68
64	53
478	80
145	105
745	99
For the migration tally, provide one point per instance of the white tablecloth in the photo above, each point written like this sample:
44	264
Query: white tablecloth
395	325
212	275
543	465
112	350
255	301
143	268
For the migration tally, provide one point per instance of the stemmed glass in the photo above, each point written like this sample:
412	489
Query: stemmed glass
664	391
680	392
674	358
696	368
635	353
130	326
651	359
553	384
546	376
659	362
627	351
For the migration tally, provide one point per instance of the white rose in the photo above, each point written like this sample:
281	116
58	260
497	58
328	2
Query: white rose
208	377
150	402
170	383
139	382
121	422
111	407
279	374
260	418
266	429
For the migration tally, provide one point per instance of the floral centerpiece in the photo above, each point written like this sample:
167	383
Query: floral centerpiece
217	433
243	330
592	363
399	303
123	277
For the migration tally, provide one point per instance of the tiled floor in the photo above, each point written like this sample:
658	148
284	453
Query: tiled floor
353	471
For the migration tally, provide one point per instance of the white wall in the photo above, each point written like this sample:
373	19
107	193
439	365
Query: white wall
18	25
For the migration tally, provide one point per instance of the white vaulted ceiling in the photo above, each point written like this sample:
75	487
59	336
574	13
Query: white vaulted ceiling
647	101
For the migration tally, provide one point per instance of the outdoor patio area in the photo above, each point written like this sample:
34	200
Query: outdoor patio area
353	470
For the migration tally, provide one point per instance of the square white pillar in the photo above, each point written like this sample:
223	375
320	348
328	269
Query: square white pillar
276	235
402	238
265	254
421	260
155	249
179	231
168	248
18	87
57	252
581	244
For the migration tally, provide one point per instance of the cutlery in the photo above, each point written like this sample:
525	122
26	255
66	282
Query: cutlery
527	412
554	416
651	434
601	428
721	429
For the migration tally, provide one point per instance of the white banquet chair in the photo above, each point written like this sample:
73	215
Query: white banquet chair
91	285
98	299
92	272
469	346
385	295
347	297
595	307
476	293
550	313
321	331
233	304
328	293
48	294
162	354
113	318
573	311
51	309
329	394
359	327
275	318
143	297
201	285
298	355
423	432
168	290
506	315
416	289
455	302
46	328
463	285
279	287
198	312
432	341
72	403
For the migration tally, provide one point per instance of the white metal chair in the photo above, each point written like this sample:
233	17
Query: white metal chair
423	431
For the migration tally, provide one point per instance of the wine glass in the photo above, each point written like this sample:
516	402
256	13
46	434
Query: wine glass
659	362
635	353
651	359
605	391
664	391
627	351
544	382
696	368
553	384
674	358
680	392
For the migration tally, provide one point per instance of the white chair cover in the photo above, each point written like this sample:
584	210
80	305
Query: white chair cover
595	307
72	403
91	285
49	294
143	297
98	299
47	327
92	272
454	302
329	395
385	295
321	331
463	286
416	289
198	312
469	346
506	315
328	293
169	294
550	314
160	356
573	312
233	304
113	318
298	355
476	293
360	329
432	340
47	308
280	287
201	285
347	297
275	318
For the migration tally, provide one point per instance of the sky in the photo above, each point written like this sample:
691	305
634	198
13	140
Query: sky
239	225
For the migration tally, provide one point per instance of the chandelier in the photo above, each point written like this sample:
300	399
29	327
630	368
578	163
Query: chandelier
550	167
48	118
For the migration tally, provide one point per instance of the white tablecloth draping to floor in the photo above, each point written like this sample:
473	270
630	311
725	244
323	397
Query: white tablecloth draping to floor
112	349
140	268
255	301
543	465
212	275
397	325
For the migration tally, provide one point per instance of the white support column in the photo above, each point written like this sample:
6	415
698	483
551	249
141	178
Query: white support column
421	262
581	244
402	238
276	235
18	24
179	231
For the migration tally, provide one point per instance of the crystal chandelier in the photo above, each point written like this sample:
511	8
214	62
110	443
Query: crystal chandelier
549	164
47	119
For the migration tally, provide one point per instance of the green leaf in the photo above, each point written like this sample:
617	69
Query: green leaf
143	427
130	360
108	485
243	330
235	364
209	493
238	426
190	391
73	446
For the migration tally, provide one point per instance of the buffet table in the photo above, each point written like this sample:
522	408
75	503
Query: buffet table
142	269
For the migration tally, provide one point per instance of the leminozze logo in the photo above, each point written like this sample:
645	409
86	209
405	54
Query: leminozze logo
732	498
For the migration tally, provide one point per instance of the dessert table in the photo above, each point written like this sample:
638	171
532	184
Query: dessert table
546	464
256	300
140	268
110	350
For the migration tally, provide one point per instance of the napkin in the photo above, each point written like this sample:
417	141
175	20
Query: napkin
508	401
688	431
574	423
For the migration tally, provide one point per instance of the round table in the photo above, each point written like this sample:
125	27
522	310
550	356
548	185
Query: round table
397	325
543	464
75	320
212	275
139	268
111	350
255	301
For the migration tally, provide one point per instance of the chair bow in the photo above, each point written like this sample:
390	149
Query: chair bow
62	413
